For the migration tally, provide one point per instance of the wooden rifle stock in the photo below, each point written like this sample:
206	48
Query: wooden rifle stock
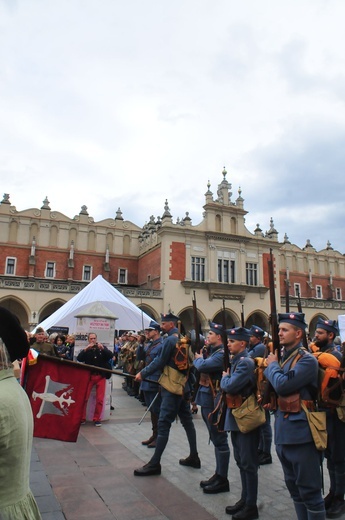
196	347
226	365
299	308
287	293
225	339
268	396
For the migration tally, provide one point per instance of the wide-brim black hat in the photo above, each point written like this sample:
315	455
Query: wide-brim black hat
13	335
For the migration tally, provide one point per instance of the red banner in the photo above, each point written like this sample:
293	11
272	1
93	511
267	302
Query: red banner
57	393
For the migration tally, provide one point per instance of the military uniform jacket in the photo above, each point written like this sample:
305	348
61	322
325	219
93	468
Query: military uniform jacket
302	377
257	351
240	381
44	348
165	357
147	354
213	366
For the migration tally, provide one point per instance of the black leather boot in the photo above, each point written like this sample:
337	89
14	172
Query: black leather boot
231	510
148	470
219	485
192	461
205	483
247	513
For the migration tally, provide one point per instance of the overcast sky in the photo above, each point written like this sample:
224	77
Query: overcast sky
126	103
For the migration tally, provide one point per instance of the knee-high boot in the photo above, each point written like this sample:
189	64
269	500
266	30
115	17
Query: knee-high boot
154	421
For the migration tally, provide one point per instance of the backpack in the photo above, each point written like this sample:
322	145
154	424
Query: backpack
181	356
331	388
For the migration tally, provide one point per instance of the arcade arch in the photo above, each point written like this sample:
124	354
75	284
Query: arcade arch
49	308
19	308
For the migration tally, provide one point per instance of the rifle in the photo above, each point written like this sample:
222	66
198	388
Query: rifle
90	367
196	344
268	393
225	340
299	308
287	292
222	407
242	317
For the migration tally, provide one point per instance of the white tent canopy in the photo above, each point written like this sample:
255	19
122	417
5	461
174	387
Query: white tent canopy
130	317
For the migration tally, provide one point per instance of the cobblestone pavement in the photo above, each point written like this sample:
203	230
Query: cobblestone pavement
93	478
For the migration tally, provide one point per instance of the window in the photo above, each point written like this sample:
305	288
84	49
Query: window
198	269
226	271
251	273
297	290
50	270
122	276
87	273
11	265
338	294
318	290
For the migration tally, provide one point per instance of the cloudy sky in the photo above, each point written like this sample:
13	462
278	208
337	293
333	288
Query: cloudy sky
126	103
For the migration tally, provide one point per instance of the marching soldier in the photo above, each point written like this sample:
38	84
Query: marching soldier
295	379
326	331
239	384
173	404
211	370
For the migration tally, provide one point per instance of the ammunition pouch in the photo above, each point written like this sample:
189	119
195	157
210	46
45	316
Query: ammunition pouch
290	403
233	401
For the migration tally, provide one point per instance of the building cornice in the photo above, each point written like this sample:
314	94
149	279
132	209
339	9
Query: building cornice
221	291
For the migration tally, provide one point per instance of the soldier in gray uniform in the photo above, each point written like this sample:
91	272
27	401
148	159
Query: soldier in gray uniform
240	383
172	404
210	370
296	374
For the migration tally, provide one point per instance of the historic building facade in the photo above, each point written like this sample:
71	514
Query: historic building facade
46	258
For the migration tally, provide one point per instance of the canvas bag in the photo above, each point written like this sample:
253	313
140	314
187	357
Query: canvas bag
173	380
249	415
317	425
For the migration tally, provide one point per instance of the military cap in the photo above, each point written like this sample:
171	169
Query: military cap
239	333
294	318
39	330
13	335
329	325
215	327
256	331
153	325
169	317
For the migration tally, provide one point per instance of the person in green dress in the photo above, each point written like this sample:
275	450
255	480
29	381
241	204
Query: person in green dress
16	427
